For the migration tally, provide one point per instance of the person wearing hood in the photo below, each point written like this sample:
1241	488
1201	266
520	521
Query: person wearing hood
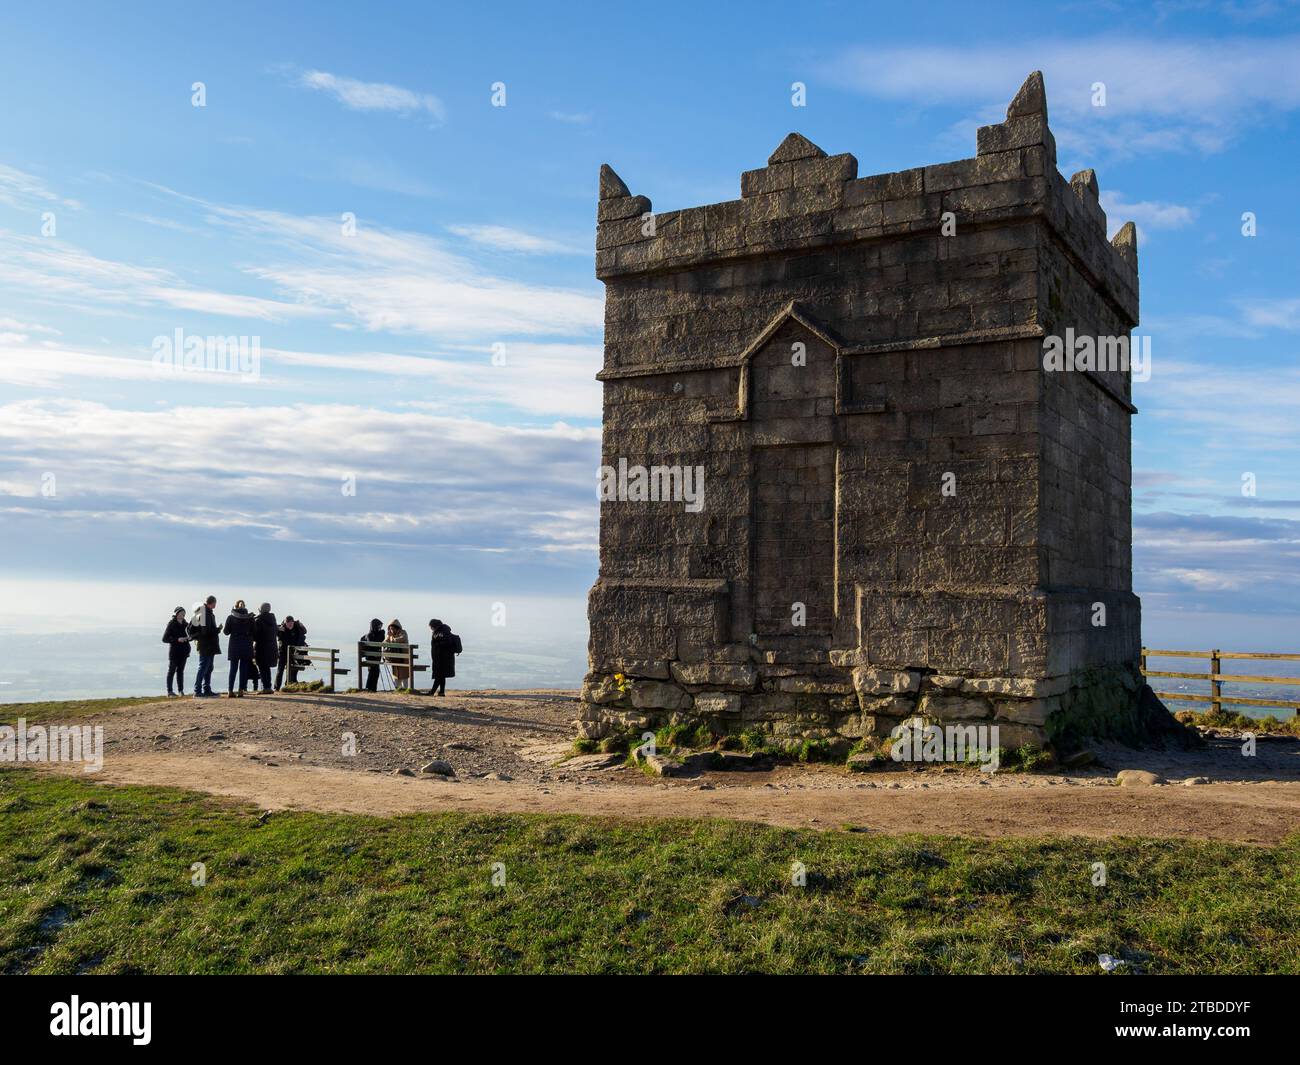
375	635
265	645
400	656
291	633
205	636
177	638
239	652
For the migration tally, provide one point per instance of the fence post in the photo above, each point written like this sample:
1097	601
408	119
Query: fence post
1216	689
334	655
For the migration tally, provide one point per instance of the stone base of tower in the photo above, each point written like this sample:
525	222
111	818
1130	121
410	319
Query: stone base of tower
861	702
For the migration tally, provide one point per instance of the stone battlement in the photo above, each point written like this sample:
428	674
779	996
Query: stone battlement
804	198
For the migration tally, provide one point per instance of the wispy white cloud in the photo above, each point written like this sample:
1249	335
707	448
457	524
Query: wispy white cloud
16	328
557	380
1205	580
402	282
21	189
162	223
1162	94
53	365
373	95
1256	316
419	478
576	118
1251	408
538	380
57	271
504	238
1218	562
1281	313
1238	10
376	278
1147	214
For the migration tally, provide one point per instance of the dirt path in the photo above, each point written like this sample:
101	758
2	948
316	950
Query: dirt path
289	753
1249	813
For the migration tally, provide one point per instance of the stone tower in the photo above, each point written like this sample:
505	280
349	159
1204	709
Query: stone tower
901	508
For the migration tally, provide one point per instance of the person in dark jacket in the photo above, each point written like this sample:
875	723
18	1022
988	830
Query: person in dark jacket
205	636
265	645
443	644
239	652
177	638
375	635
252	661
291	634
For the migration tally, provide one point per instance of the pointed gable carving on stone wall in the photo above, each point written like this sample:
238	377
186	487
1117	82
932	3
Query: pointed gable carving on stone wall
791	312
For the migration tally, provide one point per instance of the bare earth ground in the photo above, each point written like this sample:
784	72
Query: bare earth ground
286	752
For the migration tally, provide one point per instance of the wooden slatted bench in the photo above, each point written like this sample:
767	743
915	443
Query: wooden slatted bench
373	654
301	658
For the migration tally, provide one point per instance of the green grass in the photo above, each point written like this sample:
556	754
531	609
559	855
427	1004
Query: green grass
314	686
695	735
98	878
1232	719
66	710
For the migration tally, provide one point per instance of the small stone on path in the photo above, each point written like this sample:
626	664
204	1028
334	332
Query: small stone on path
1129	778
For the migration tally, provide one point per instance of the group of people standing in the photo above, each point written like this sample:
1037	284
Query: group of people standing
257	644
444	646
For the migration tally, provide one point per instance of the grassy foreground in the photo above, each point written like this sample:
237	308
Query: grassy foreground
97	878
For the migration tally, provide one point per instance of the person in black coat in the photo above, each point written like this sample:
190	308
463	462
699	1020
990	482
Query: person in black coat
265	645
177	638
443	645
371	654
291	634
252	661
205	636
239	652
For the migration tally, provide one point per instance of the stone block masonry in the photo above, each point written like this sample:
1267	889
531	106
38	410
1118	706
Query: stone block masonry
905	512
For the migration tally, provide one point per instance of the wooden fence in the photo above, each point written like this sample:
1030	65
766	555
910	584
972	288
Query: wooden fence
1218	678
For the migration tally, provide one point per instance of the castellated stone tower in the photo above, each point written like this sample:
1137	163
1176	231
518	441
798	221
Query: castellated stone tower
903	512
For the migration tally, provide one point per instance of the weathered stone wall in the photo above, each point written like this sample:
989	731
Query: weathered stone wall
903	512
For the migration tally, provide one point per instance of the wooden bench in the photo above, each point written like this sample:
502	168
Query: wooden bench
373	654
301	658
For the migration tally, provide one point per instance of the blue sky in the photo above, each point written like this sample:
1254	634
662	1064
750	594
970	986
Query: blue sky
124	491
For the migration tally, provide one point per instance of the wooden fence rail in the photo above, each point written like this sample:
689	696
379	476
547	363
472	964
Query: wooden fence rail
1218	678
